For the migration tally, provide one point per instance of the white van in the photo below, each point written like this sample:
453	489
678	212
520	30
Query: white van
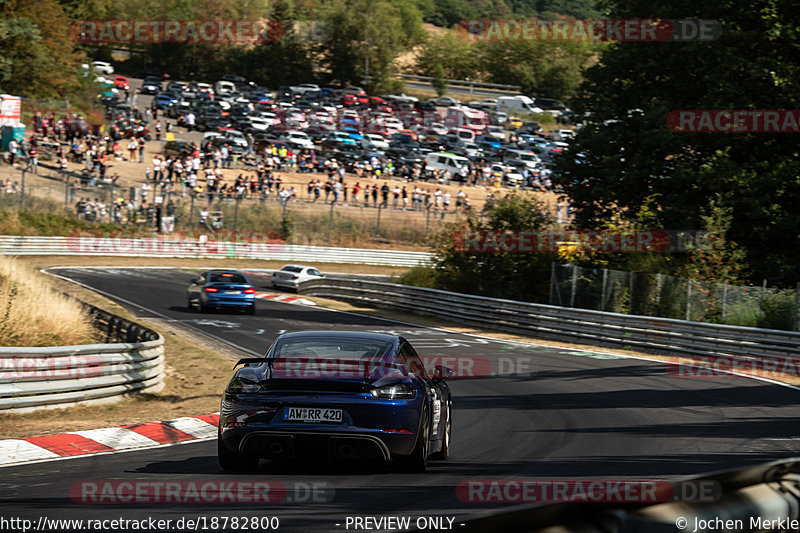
530	159
443	161
517	105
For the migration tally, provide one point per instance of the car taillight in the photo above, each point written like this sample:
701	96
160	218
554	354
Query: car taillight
295	277
249	291
211	289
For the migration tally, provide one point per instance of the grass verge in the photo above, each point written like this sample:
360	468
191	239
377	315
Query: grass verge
33	313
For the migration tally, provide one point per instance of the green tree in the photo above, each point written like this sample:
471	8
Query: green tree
713	256
439	81
289	60
38	57
518	276
455	57
626	152
547	69
365	37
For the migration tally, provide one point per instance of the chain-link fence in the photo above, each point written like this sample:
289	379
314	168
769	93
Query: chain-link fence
175	208
640	293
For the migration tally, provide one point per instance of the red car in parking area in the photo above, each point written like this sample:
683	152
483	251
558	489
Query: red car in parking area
121	82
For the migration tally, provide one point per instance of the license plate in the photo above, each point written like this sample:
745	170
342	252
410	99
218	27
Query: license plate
311	414
233	292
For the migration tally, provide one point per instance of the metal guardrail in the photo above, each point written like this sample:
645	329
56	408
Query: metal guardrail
656	335
59	376
465	83
176	246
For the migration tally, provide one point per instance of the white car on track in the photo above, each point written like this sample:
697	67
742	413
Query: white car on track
290	276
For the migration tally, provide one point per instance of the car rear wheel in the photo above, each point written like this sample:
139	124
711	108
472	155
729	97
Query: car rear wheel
229	460
418	460
444	453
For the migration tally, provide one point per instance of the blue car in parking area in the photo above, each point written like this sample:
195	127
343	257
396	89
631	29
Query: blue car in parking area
217	289
338	396
165	99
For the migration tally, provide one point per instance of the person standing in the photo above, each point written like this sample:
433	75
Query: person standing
13	147
33	160
385	195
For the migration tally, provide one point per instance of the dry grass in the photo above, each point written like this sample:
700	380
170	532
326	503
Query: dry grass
33	313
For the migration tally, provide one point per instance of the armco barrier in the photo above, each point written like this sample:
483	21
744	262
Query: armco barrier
59	376
656	335
175	247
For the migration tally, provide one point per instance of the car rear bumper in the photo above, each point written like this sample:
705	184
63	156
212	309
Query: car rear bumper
223	301
342	443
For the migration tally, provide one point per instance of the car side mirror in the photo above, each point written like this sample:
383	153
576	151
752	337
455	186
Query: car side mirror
442	372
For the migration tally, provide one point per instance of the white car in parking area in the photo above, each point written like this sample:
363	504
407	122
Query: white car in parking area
290	276
298	139
102	67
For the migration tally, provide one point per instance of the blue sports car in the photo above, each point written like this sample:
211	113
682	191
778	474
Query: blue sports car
336	395
221	288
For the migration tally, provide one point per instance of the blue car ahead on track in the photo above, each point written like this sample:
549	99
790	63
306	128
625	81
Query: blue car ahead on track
221	289
336	395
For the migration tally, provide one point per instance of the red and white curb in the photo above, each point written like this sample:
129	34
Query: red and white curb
14	451
284	298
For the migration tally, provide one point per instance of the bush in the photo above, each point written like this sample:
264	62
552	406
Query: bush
418	276
778	310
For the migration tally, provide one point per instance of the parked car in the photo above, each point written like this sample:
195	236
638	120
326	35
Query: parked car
103	67
291	276
336	395
445	101
151	86
221	289
298	139
121	82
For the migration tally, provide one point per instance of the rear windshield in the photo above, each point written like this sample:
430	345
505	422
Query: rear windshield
292	269
226	277
355	349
